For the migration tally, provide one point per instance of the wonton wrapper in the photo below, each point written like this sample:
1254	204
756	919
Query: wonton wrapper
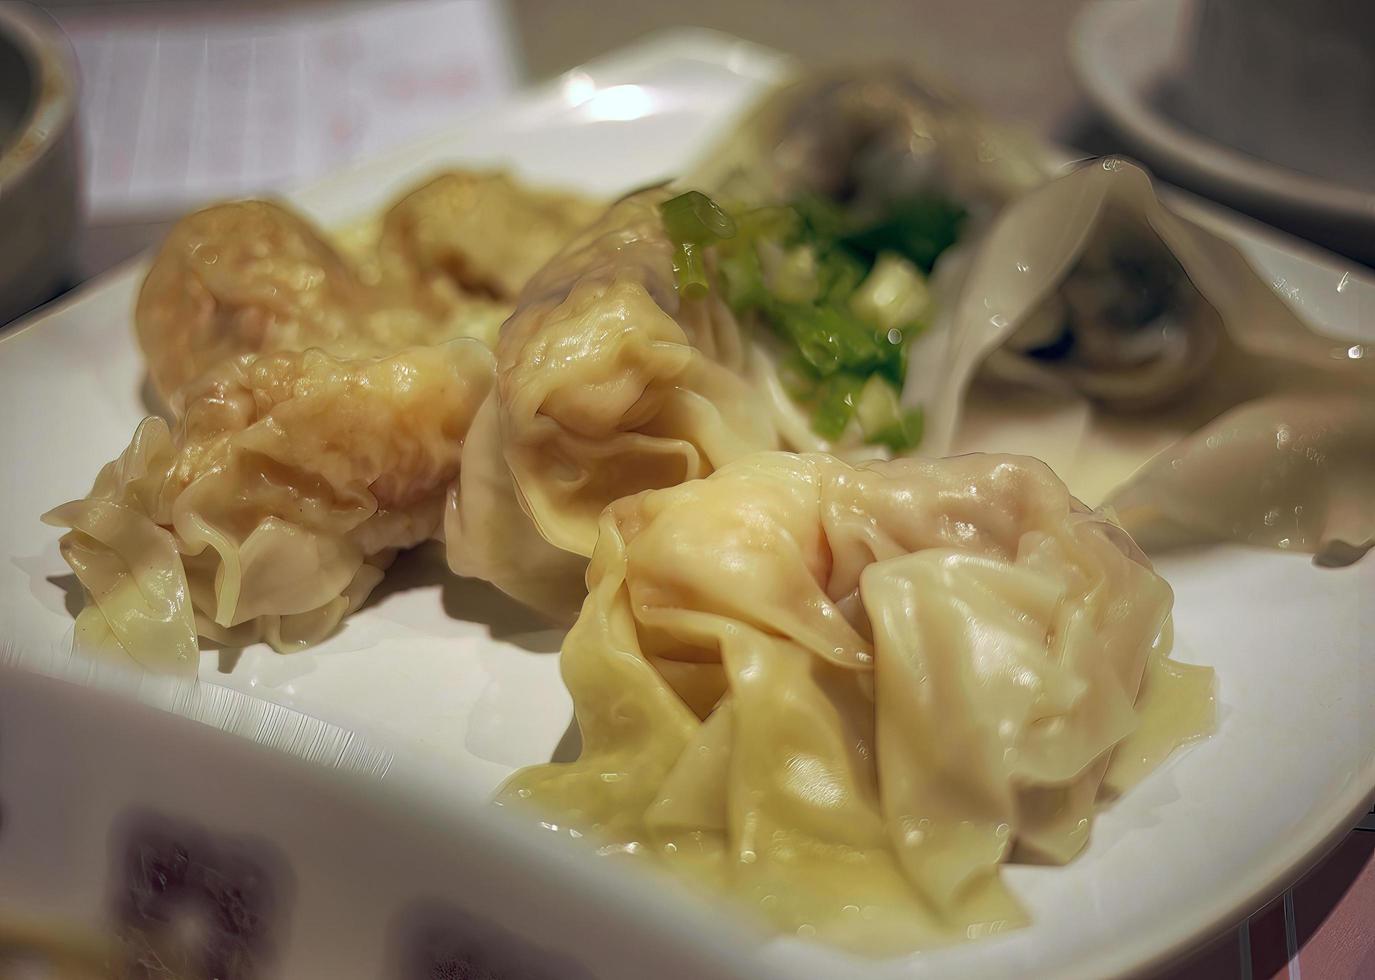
253	277
866	137
1286	472
241	278
608	383
1227	340
846	696
460	248
477	233
291	481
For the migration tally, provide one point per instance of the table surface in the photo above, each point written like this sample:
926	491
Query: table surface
1321	927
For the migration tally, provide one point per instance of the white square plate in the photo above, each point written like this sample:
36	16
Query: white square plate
454	676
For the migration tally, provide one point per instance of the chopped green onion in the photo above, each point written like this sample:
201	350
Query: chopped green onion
893	295
877	407
743	279
840	273
777	222
690	271
835	404
918	228
882	419
819	345
797	379
695	219
903	435
832	339
845	297
823	219
795	280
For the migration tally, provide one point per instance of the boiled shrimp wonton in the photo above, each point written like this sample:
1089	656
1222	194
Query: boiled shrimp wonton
609	380
845	696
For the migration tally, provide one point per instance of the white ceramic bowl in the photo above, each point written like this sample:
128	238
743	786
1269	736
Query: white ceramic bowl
1291	82
1125	55
40	212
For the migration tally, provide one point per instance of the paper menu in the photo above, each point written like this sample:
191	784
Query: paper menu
196	101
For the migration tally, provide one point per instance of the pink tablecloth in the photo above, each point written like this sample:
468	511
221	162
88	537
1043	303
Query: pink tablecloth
1323	927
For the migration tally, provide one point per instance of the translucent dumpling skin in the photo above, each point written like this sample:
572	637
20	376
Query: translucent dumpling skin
1290	473
608	383
868	136
1147	361
288	485
845	696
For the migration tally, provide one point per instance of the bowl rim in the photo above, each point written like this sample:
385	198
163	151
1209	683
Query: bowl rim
52	109
1212	163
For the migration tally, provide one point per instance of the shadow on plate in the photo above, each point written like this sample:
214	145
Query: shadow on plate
424	567
152	402
469	600
570	746
73	595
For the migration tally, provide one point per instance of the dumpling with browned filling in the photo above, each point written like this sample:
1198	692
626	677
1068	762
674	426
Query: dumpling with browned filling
268	513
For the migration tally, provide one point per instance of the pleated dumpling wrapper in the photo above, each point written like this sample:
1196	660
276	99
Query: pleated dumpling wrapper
845	696
1097	329
252	277
269	513
609	381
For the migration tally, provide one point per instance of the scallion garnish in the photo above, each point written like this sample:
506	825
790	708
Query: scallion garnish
695	219
847	297
905	434
690	271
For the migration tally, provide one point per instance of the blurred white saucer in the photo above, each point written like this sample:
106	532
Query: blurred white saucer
1125	54
39	207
